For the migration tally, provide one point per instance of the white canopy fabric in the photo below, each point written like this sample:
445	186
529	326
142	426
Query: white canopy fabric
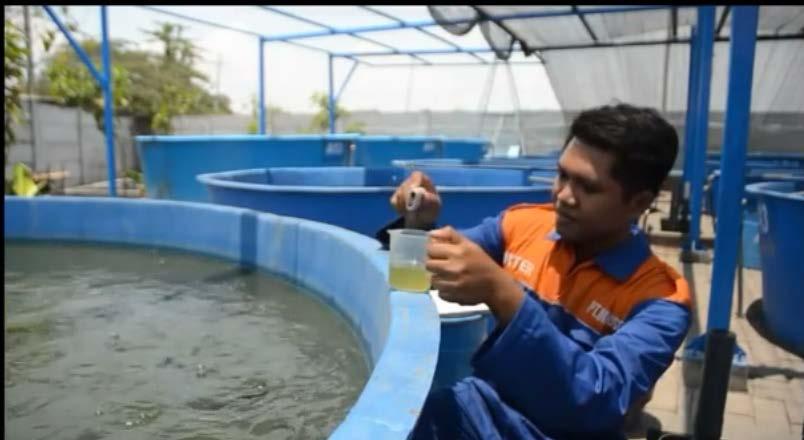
650	75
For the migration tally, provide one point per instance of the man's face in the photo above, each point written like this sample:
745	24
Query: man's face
589	202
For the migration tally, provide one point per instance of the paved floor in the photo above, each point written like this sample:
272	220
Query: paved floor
771	408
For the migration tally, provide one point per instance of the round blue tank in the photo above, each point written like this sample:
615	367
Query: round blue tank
356	198
170	164
750	234
469	149
759	161
399	331
780	213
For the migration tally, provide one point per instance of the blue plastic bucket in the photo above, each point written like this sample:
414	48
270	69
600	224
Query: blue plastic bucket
780	214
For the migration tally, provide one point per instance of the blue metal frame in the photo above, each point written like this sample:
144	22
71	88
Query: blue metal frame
331	99
425	23
689	120
700	131
261	82
104	80
419	26
735	140
346	81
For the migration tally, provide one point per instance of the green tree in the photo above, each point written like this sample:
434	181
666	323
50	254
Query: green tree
320	121
151	88
13	64
271	112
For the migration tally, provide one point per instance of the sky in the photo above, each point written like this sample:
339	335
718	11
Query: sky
292	74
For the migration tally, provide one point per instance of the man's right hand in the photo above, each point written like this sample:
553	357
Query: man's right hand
430	204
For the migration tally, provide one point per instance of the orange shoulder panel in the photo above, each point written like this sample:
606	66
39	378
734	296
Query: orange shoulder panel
657	280
527	218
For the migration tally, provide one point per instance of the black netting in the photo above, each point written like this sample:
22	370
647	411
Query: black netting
444	14
498	38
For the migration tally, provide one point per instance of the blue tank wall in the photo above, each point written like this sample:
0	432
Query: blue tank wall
170	164
780	218
750	236
336	195
399	331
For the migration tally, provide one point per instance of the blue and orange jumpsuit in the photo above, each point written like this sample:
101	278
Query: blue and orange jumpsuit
587	341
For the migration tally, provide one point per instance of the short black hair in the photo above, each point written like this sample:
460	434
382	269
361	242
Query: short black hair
643	143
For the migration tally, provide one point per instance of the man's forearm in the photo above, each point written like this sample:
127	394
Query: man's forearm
505	299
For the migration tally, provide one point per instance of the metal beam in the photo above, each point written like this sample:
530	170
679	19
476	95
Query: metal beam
455	64
674	22
706	34
516	38
798	36
82	55
732	179
722	21
261	86
426	23
346	81
108	102
422	30
104	80
201	21
333	30
586	24
689	123
331	99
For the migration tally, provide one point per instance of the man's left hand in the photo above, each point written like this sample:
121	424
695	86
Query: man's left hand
463	273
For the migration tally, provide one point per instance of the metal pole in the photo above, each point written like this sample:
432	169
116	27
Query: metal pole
679	209
486	96
29	84
331	99
670	35
80	145
735	139
517	110
425	23
108	122
261	100
706	29
346	81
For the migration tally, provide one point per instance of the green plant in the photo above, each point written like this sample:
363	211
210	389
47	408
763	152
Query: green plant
271	112
134	175
151	88
14	57
320	121
356	127
23	183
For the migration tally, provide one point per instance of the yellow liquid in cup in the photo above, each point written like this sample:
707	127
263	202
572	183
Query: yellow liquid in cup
409	278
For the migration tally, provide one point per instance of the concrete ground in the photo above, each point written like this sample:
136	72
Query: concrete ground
772	406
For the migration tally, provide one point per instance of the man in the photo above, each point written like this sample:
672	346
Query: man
588	318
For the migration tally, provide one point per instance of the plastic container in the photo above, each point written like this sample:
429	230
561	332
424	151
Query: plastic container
780	212
408	253
399	333
750	236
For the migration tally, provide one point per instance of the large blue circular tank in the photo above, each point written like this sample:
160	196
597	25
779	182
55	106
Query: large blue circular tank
780	214
357	198
170	164
750	233
399	331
